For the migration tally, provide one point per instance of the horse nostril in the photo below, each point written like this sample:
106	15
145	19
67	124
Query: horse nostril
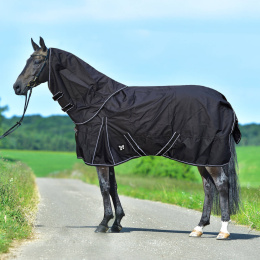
17	88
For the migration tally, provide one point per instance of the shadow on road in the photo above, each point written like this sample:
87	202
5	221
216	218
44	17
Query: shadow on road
233	236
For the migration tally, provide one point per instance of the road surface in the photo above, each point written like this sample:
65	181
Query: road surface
70	210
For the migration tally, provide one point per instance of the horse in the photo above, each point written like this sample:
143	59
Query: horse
116	123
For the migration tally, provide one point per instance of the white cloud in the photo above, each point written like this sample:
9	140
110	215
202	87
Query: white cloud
69	11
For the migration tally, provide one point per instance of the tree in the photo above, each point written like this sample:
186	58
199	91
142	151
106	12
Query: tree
2	109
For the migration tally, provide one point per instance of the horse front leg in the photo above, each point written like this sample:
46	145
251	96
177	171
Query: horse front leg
103	176
208	200
222	184
119	212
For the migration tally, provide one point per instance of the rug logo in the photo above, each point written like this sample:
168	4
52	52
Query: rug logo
121	147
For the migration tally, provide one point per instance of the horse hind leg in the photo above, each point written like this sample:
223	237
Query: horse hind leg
222	184
103	176
208	186
119	212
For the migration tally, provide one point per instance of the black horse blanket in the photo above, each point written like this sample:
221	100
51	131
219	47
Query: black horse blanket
116	123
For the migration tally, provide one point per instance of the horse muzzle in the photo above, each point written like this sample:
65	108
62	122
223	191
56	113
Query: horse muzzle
19	90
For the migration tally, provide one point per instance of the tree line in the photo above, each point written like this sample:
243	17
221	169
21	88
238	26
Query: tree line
56	133
53	133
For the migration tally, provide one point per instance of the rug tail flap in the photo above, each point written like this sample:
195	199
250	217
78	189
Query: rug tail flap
236	132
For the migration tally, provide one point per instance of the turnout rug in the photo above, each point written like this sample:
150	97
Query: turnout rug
116	123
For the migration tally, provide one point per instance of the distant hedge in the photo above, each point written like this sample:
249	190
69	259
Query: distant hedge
156	166
250	135
54	133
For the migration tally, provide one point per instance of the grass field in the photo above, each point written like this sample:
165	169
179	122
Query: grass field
42	162
249	165
45	162
248	160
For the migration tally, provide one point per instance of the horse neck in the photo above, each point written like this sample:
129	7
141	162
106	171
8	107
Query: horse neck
97	81
70	73
44	76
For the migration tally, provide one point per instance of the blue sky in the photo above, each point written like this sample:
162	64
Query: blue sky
138	43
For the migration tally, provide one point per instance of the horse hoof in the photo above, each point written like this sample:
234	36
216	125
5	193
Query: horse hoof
115	229
223	236
101	229
195	233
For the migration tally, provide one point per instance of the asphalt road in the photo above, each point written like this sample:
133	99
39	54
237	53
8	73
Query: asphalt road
70	210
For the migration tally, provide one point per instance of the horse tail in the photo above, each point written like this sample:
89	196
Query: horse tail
230	170
233	183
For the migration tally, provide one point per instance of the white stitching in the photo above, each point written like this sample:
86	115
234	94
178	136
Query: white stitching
108	143
101	106
136	144
49	70
171	145
131	145
166	144
110	164
170	158
97	142
206	165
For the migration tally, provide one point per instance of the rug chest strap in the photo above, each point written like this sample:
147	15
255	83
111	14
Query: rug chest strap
57	96
64	103
67	107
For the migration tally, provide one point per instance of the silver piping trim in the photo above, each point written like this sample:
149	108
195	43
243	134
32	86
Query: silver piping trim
131	145
205	165
108	143
91	164
101	106
170	158
137	144
97	142
166	144
171	145
49	70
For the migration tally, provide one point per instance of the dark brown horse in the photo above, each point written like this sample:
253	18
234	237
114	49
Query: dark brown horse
219	182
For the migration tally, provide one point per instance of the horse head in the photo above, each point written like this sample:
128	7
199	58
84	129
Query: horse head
35	71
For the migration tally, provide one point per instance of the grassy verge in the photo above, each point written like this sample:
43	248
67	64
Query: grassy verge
42	162
18	202
169	190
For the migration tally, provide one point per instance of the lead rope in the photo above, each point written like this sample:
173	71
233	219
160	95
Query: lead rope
30	85
13	128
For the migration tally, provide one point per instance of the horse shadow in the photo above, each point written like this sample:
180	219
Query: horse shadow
233	236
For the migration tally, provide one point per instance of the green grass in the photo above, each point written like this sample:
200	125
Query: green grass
42	162
18	202
249	165
45	162
248	161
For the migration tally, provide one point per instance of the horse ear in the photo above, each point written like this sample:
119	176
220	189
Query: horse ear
44	48
34	45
